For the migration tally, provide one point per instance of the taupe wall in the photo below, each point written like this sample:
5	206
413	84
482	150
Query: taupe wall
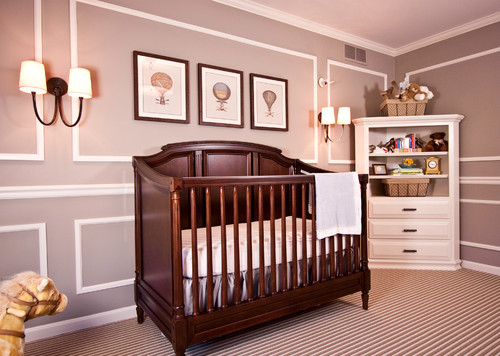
464	73
66	195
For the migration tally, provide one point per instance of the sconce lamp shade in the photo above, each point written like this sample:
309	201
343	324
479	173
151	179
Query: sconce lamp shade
79	83
344	117
327	115
32	78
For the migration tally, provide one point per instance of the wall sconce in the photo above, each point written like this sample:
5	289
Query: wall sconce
32	80
327	117
322	82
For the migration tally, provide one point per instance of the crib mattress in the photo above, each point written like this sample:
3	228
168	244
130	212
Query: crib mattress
187	253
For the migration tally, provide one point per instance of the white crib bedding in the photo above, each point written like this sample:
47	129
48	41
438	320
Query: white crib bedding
242	229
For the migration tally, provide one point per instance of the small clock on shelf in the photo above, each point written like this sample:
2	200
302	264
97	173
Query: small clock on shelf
432	165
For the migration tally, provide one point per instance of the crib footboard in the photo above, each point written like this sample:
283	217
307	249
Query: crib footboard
290	271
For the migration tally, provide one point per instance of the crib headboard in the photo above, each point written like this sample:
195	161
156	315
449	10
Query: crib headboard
220	158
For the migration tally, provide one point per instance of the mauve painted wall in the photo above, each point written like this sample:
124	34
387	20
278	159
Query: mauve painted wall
464	73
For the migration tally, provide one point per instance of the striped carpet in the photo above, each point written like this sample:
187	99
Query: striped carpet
410	313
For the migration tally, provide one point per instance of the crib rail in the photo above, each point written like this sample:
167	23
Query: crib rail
264	197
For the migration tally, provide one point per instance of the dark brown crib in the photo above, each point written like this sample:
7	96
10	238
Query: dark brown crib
226	239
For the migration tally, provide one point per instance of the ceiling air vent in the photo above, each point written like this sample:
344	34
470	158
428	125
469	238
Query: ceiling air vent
355	54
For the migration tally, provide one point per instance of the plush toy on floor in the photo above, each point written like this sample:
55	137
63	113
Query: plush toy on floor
26	296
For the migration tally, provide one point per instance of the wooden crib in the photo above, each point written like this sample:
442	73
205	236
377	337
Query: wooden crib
241	215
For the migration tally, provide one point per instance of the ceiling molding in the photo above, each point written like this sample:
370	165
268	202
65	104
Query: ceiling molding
299	22
277	15
459	30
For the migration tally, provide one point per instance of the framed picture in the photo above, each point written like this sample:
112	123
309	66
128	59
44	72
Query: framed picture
379	169
220	96
268	103
161	88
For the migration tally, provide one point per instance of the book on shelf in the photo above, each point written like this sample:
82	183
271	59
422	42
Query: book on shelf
406	144
407	171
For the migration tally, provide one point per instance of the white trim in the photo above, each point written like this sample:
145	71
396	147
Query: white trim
480	201
80	288
40	148
482	246
481	267
63	191
480	180
42	241
331	62
289	19
74	59
85	322
454	61
459	30
480	159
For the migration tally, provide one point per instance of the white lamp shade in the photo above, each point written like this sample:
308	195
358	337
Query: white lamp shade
327	115
32	77
79	83
344	115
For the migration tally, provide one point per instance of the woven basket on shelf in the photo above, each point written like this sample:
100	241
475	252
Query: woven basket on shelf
412	187
396	107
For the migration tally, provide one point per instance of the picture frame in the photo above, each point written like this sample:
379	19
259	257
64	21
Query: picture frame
268	102
220	92
379	169
161	88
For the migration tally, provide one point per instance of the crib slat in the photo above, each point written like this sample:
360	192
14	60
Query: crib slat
340	255
262	279
284	264
273	239
348	254
295	275
323	258
248	199
194	251
223	247
356	253
237	277
304	237
333	259
210	272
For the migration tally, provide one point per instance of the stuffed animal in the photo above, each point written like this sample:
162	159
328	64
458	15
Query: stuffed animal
438	143
412	93
392	92
26	296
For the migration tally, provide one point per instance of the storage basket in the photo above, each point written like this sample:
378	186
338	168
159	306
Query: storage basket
412	187
396	107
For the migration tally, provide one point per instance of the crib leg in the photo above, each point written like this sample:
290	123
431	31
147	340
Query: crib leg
140	315
364	297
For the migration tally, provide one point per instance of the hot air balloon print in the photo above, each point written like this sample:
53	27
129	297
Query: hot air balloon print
222	92
269	97
162	83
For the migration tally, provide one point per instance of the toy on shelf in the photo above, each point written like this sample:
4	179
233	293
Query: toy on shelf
438	143
407	99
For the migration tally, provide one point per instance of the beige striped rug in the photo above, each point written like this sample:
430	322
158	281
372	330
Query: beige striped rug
410	313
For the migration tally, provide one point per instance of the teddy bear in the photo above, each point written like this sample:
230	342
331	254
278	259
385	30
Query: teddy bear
413	93
438	143
391	93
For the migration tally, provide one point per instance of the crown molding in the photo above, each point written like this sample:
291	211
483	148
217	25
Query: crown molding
277	15
459	30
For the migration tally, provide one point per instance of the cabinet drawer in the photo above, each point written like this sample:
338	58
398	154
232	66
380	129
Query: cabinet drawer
408	208
433	229
409	250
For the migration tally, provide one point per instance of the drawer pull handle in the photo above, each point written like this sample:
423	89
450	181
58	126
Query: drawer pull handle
410	230
409	209
409	251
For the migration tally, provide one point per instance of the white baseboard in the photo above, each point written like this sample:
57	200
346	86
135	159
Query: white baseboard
481	268
85	322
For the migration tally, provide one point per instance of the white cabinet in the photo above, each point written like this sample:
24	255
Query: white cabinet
411	231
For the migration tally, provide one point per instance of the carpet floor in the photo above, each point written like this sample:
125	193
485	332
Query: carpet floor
411	312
